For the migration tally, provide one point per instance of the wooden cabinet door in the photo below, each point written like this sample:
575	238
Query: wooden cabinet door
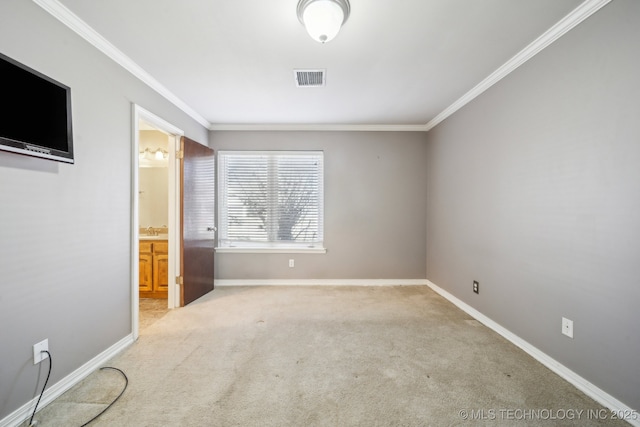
146	277
161	272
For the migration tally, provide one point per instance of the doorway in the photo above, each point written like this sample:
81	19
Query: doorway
155	217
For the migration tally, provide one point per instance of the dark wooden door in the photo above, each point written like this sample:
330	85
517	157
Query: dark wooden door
197	215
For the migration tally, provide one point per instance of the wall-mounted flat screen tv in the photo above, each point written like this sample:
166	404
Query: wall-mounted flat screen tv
35	113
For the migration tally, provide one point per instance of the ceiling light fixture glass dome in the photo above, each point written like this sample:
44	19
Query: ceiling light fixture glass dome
323	18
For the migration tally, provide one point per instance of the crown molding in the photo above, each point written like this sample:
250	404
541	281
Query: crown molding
575	17
317	127
71	20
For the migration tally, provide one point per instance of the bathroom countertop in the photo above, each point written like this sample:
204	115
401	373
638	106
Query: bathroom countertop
158	237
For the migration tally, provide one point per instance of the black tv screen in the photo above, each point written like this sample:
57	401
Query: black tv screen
35	113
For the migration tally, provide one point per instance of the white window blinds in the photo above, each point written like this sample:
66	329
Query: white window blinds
270	199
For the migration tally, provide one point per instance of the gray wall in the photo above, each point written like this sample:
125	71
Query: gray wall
65	230
534	190
375	207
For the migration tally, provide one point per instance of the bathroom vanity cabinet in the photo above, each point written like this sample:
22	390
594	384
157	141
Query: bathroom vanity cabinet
154	268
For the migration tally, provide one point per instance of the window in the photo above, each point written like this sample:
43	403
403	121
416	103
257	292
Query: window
270	201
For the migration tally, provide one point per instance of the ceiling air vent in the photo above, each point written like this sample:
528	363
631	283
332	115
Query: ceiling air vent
309	78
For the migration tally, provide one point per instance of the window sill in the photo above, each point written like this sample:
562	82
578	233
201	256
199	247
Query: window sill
271	250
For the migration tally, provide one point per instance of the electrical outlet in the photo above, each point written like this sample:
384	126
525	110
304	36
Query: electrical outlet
567	327
476	287
292	263
38	355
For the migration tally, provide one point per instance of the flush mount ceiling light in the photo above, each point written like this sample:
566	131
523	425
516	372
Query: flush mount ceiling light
323	18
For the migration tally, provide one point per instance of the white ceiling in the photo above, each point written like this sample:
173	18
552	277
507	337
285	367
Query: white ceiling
395	62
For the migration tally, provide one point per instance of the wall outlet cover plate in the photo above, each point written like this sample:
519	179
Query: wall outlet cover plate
38	355
567	327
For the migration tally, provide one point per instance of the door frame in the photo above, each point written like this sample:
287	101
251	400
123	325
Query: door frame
174	134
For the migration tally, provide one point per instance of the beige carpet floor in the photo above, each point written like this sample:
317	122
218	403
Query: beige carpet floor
323	356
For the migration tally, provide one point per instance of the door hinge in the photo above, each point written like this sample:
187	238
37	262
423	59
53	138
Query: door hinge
180	154
179	280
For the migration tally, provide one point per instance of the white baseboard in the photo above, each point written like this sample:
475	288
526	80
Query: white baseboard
321	282
576	380
51	393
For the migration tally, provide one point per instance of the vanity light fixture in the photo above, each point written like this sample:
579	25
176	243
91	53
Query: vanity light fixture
157	154
323	18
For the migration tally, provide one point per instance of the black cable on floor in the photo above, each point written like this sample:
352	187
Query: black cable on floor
126	384
43	387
